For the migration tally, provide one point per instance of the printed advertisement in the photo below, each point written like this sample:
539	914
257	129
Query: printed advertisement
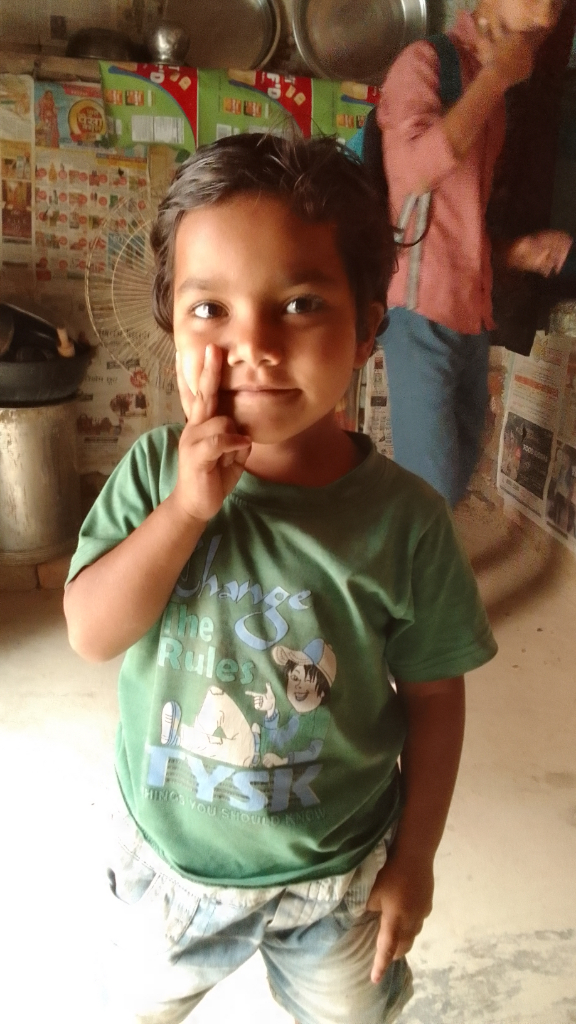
16	104
68	114
537	457
150	103
16	203
352	102
231	102
75	196
16	160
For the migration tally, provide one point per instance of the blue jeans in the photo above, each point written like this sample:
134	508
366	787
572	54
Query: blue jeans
438	386
174	939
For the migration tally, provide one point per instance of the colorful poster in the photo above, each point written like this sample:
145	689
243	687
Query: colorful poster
68	114
231	102
75	195
16	103
17	225
150	103
16	162
352	102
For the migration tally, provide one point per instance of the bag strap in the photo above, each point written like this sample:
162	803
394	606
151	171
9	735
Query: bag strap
372	144
450	74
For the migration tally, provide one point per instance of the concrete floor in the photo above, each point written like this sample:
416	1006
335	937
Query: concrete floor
500	947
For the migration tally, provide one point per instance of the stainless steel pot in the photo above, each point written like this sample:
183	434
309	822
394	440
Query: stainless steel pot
355	39
228	33
168	43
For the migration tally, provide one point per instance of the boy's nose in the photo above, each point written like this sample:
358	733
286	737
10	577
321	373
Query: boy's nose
253	340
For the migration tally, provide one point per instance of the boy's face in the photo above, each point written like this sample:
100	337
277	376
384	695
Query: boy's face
271	291
301	690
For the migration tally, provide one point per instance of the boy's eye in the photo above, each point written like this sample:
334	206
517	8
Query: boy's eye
304	304
207	310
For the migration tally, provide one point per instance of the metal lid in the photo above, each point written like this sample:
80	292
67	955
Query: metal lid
228	33
355	39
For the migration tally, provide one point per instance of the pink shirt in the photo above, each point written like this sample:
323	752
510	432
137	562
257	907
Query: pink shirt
455	287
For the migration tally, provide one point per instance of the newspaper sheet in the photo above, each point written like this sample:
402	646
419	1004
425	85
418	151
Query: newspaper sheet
376	405
537	456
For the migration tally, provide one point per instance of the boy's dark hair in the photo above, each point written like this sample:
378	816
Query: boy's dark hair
315	675
317	178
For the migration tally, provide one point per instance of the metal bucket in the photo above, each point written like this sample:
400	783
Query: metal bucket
40	510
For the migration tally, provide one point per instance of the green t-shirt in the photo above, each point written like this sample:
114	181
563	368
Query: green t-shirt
259	733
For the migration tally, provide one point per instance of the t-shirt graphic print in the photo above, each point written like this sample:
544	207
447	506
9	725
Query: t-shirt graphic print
259	731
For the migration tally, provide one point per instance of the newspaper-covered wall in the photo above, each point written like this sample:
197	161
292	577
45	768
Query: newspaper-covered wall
537	455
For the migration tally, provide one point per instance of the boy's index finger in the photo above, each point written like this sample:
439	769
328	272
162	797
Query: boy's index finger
206	397
186	396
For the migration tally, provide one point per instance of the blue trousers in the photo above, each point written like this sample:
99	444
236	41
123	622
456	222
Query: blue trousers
438	386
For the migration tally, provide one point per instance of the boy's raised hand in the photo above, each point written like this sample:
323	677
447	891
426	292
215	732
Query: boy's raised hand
211	454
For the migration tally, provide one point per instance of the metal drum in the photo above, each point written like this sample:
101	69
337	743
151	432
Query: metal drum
40	510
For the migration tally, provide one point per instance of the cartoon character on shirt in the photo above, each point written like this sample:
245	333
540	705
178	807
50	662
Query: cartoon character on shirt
220	730
309	675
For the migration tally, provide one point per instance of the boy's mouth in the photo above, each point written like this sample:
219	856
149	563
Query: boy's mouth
259	390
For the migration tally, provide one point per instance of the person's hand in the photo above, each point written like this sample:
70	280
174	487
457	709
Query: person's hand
211	454
511	54
543	252
264	701
273	760
402	894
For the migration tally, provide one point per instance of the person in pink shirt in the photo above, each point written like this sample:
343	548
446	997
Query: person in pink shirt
437	342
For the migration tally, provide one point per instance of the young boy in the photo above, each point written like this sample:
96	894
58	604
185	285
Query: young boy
437	341
261	536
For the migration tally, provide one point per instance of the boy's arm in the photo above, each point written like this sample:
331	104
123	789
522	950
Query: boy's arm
114	601
402	893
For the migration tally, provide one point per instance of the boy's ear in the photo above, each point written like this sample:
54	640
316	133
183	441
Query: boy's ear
365	346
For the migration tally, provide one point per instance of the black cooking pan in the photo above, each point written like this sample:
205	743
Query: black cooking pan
41	383
32	371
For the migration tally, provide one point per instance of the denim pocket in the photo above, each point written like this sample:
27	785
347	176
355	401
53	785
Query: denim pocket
353	905
149	909
129	878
